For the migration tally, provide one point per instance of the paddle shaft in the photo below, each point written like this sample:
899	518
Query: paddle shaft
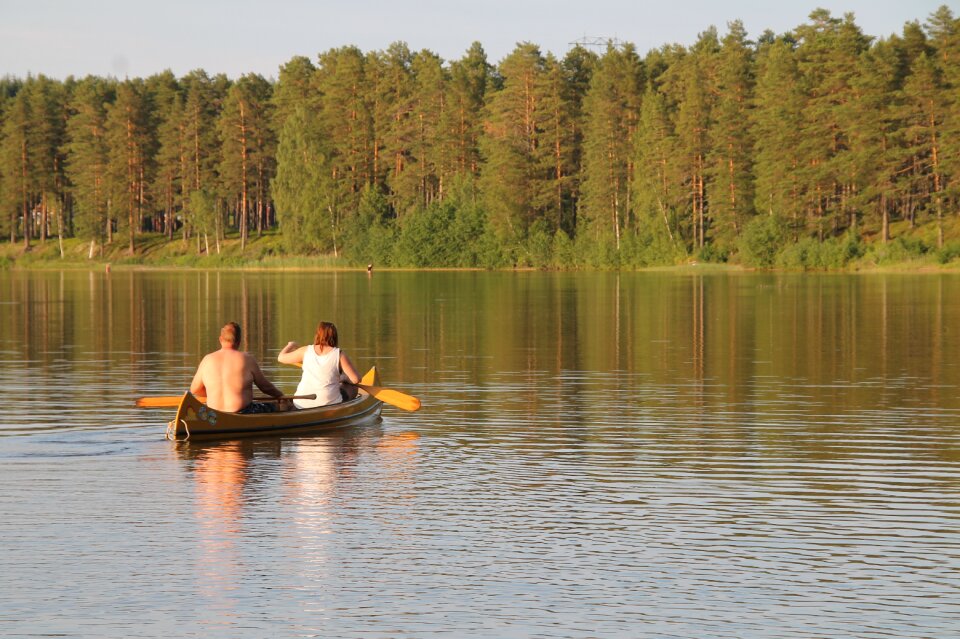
167	401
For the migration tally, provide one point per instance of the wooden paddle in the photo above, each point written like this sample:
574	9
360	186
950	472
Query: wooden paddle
386	395
172	401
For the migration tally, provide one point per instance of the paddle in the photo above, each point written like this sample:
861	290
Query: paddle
172	401
386	395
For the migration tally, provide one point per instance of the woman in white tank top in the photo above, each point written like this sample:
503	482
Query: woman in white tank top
323	363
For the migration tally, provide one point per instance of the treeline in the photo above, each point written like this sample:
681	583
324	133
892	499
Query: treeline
789	148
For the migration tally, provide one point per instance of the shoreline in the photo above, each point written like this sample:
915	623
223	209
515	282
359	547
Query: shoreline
261	255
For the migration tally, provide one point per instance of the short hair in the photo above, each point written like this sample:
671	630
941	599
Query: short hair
326	335
231	333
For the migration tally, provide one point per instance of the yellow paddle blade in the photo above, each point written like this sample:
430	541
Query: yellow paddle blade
390	396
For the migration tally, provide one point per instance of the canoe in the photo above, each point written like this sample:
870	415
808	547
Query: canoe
195	420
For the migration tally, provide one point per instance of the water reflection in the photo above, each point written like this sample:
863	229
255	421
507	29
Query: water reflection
598	455
242	486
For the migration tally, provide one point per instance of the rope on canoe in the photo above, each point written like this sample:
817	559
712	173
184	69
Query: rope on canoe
171	433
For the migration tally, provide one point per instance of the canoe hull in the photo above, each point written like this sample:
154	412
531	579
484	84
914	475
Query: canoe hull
194	421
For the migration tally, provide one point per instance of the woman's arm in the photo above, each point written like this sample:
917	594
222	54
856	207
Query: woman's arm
291	354
347	368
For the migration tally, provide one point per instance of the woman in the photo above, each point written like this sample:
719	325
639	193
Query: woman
323	363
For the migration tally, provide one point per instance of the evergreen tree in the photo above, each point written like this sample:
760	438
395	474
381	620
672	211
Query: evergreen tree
429	109
294	89
611	109
777	126
17	170
578	66
924	114
944	30
463	123
510	178
127	136
87	156
345	119
660	197
304	186
166	150
827	60
875	133
203	99
245	144
691	84
730	160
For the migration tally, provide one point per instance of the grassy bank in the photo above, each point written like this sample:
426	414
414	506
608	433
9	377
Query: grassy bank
910	250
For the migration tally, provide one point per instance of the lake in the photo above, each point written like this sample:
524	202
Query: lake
598	455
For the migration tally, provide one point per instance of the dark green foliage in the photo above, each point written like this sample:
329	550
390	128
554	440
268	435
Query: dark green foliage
762	239
778	152
902	249
810	254
949	253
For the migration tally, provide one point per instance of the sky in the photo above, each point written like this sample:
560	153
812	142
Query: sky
133	38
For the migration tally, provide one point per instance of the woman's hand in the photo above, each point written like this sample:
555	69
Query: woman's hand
291	354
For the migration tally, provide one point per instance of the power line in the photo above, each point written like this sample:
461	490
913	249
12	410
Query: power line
598	41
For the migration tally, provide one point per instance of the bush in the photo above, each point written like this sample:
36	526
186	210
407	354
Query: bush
949	252
537	247
902	249
833	253
713	254
762	240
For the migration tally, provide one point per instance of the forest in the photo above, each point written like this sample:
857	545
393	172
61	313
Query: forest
808	149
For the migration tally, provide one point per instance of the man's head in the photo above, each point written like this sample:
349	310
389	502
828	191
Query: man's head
230	335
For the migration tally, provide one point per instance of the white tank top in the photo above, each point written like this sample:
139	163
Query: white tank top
321	375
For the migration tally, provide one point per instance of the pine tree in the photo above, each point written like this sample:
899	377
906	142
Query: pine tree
578	66
730	159
691	83
9	87
391	86
658	184
611	109
48	108
509	177
127	136
470	79
944	30
345	118
203	99
87	156
875	132
304	188
245	145
924	113
777	126
827	61
17	170
165	148
557	115
294	89
429	109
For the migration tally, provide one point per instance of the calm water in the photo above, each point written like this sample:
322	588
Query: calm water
599	455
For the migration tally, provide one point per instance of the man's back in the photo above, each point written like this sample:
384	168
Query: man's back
227	376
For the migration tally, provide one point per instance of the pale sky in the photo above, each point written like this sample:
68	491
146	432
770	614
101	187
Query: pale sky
134	38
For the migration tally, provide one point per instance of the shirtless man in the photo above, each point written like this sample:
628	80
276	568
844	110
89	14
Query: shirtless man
226	377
